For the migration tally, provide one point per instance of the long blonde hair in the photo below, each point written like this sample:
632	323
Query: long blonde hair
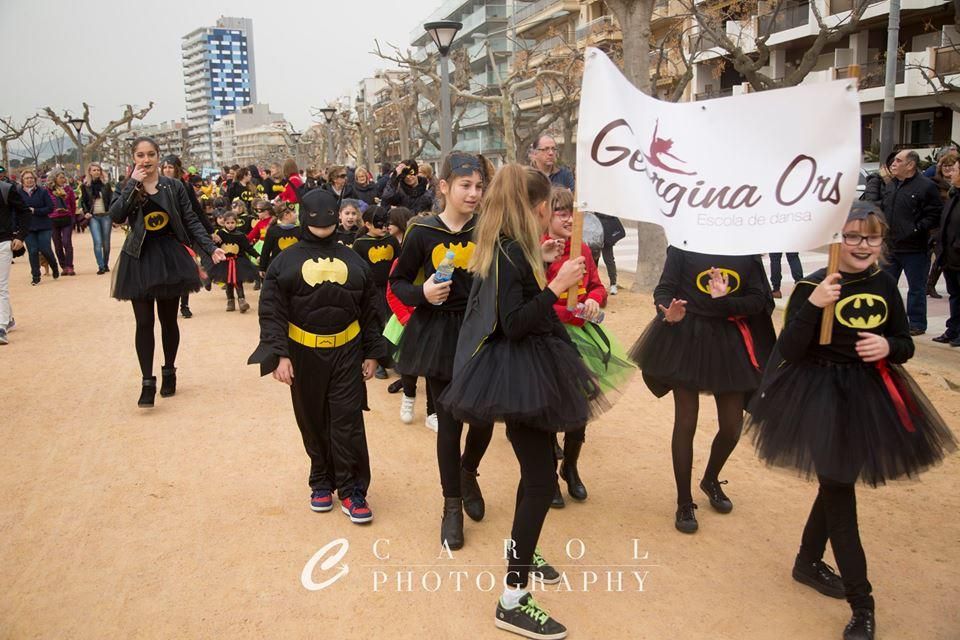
507	210
87	180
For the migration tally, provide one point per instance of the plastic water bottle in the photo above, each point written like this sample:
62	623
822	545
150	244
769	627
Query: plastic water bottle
580	312
445	269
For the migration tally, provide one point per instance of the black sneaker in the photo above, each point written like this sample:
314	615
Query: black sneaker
395	387
542	570
529	620
686	518
945	338
862	626
185	312
820	576
718	499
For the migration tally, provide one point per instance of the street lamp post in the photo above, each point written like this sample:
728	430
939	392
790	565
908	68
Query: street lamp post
328	113
443	33
77	124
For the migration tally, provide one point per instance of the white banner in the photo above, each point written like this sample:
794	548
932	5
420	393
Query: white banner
769	171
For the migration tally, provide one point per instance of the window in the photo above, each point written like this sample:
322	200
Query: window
918	128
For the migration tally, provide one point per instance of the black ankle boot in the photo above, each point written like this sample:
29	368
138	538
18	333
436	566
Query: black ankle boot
862	626
557	502
148	392
168	384
568	470
451	527
473	503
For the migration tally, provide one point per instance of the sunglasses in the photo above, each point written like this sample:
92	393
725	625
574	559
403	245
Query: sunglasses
340	175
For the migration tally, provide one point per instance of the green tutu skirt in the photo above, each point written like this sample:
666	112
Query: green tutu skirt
604	356
393	330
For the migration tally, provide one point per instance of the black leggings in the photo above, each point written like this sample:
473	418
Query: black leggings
169	332
834	517
449	432
239	289
410	390
686	409
538	483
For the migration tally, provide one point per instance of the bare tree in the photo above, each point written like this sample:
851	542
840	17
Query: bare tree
95	139
940	72
10	131
34	138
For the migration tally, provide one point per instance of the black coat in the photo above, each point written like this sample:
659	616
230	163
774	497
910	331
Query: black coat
949	238
398	194
175	201
367	193
14	214
912	207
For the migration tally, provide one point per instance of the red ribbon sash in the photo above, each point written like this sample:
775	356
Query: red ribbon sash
744	328
898	396
232	270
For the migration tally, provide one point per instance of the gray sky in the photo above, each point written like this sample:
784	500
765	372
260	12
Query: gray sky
307	52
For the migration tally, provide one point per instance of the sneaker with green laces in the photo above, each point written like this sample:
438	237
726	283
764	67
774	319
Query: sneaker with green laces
528	619
542	571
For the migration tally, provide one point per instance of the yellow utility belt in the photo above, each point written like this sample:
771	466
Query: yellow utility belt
317	341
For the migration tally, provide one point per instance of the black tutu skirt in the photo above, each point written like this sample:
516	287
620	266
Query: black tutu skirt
246	272
842	422
539	382
429	343
164	270
700	353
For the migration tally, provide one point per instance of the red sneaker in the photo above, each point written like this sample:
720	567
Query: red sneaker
357	509
321	501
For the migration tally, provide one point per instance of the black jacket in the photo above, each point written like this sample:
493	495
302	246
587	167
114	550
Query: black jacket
949	238
367	193
873	188
175	201
14	215
912	208
322	287
398	194
86	197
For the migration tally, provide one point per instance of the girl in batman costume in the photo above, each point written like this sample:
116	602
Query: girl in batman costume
847	410
429	340
236	269
156	266
712	334
516	364
320	333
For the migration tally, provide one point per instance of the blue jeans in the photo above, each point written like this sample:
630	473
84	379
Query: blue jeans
776	269
39	242
952	278
100	227
917	268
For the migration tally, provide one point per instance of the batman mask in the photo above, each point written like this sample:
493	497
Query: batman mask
318	208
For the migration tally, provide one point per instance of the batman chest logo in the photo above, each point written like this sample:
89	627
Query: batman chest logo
733	280
324	270
156	220
462	252
230	248
379	254
861	311
287	241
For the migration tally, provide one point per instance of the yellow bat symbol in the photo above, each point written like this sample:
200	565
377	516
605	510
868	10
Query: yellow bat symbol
324	270
230	248
461	252
733	280
156	220
287	241
379	254
862	311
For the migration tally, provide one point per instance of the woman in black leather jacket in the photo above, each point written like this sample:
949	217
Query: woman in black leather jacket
156	265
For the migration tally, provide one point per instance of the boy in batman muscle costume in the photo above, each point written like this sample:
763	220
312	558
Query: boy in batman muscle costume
320	334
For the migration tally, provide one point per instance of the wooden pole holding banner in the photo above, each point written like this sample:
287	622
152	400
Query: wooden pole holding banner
576	242
833	264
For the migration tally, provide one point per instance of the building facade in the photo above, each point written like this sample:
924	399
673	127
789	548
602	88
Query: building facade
172	137
226	131
219	77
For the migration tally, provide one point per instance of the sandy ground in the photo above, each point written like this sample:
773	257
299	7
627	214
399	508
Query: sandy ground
191	520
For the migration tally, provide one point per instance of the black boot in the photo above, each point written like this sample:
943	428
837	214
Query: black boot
862	626
557	502
557	450
568	469
451	527
148	392
473	503
168	384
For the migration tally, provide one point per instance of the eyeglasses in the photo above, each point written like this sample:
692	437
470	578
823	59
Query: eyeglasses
854	240
563	214
548	149
340	175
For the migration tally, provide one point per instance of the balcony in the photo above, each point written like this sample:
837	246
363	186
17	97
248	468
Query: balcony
536	13
717	93
786	16
947	61
601	29
873	74
839	6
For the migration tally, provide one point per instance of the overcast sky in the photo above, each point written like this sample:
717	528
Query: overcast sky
109	53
